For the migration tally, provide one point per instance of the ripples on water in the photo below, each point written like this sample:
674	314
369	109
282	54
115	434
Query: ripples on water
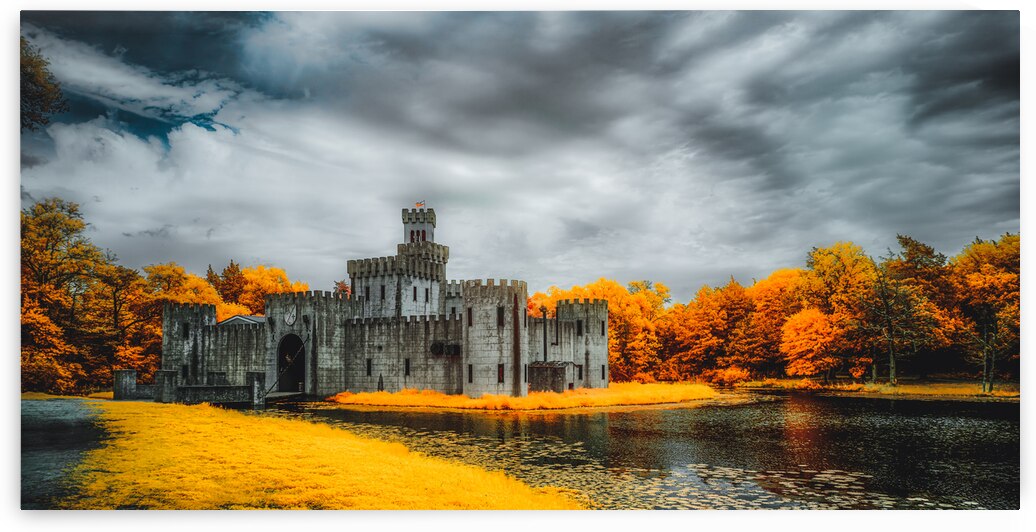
785	451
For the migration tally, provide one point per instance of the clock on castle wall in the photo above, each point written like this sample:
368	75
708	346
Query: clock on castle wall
289	317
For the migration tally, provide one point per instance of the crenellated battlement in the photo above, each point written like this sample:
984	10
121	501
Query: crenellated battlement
584	301
454	288
430	251
493	288
400	265
200	314
419	216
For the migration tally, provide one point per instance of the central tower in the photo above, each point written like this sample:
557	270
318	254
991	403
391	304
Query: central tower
408	283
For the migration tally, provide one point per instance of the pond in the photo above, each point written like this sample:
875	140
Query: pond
780	450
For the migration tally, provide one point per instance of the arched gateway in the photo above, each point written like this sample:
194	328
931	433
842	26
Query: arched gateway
291	364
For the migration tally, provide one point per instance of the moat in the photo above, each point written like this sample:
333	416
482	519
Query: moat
786	450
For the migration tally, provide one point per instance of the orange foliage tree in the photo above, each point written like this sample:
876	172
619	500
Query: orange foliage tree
810	340
776	298
986	277
260	281
83	315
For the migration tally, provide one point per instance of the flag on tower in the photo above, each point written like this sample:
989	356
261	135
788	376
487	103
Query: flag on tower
420	203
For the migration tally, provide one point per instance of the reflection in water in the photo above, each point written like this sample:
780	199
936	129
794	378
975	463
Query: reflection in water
785	451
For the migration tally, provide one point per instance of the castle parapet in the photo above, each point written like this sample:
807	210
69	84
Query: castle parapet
419	216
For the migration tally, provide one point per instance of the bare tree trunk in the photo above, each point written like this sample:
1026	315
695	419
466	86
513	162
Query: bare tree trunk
892	364
992	369
985	367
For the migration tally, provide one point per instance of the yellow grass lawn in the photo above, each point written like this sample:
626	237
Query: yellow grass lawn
165	456
616	394
942	388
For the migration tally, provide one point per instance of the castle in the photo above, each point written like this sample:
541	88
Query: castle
403	326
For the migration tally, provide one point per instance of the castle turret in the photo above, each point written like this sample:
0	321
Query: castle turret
182	340
496	340
407	284
584	339
418	225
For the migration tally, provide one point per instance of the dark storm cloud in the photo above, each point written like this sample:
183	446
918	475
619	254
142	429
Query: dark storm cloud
162	41
682	147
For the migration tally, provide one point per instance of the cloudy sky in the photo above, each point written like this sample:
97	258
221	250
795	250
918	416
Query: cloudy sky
681	147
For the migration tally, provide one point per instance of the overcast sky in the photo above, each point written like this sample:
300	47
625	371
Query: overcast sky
557	148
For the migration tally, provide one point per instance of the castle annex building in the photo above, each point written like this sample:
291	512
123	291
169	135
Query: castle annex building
404	326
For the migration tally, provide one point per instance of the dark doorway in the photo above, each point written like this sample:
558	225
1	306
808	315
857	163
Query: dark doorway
291	364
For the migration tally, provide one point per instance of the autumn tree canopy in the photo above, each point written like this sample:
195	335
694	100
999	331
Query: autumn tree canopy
84	315
40	92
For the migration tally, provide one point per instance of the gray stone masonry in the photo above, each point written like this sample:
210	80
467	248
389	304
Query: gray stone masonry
404	326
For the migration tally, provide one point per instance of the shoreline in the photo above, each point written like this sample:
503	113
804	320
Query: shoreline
913	392
721	399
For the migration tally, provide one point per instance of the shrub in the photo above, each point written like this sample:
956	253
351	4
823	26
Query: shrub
727	376
807	384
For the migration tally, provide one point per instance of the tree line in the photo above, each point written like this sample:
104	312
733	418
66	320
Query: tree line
844	314
84	315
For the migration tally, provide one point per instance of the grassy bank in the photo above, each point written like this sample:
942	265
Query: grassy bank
616	394
166	456
950	390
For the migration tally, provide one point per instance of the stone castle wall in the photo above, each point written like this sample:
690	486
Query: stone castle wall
404	326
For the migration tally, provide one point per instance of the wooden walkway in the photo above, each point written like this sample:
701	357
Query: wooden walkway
273	397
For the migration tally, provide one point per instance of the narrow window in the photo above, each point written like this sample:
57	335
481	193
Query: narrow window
579	327
499	373
425	295
415	293
579	369
186	329
602	327
525	373
423	236
411	235
406	367
367	292
526	324
571	386
469	317
499	316
602	372
368	367
383	292
471	373
453	311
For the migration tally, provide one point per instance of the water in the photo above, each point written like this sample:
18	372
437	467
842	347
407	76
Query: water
55	434
785	450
